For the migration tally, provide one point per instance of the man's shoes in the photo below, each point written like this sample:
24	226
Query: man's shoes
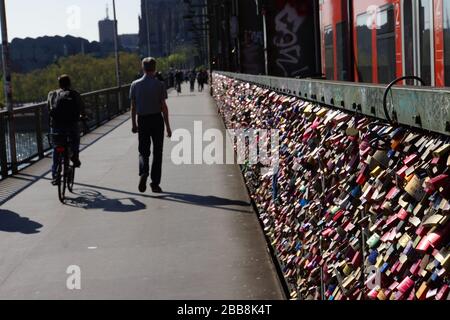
55	182
156	189
143	184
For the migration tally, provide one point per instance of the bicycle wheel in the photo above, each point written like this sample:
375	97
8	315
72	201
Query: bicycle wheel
61	183
71	178
65	178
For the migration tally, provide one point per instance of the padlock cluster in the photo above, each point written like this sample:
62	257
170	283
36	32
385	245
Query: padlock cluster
357	208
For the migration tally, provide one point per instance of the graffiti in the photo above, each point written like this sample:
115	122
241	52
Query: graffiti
286	41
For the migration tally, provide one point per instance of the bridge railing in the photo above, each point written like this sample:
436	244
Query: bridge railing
423	108
31	126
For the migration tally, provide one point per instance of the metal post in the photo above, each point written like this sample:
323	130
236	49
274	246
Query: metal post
351	66
212	35
207	34
266	55
123	96
116	46
108	106
97	110
3	157
8	87
39	135
209	31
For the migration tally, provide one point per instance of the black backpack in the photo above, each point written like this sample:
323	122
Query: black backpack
65	109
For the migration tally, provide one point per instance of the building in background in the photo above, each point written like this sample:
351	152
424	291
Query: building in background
106	29
196	21
129	42
162	27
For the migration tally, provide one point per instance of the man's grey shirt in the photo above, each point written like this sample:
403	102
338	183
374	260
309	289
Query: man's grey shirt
148	93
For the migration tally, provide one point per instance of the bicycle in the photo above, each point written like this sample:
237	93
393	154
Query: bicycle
65	170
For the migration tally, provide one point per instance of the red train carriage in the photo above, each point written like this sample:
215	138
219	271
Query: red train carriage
377	41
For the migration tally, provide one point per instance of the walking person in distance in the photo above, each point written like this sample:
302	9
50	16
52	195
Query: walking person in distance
179	77
150	117
192	77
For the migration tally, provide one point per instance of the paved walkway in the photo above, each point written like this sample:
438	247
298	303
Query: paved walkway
201	240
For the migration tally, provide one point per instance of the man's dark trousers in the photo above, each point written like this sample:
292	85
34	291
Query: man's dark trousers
151	130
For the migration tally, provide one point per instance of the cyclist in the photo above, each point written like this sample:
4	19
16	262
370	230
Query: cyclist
66	109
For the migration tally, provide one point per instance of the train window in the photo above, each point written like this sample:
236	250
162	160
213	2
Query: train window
386	45
447	41
329	53
364	39
343	68
425	31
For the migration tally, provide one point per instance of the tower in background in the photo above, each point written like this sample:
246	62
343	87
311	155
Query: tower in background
106	29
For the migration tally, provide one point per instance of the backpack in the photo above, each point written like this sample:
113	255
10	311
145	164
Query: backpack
65	110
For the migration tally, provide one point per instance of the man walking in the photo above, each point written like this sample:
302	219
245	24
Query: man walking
179	77
192	77
149	115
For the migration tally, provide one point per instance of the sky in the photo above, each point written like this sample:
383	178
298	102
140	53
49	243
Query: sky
35	18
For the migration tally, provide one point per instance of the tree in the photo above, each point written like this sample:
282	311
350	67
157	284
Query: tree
87	72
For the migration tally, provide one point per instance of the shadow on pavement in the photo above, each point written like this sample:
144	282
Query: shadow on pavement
93	200
208	201
189	199
14	223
